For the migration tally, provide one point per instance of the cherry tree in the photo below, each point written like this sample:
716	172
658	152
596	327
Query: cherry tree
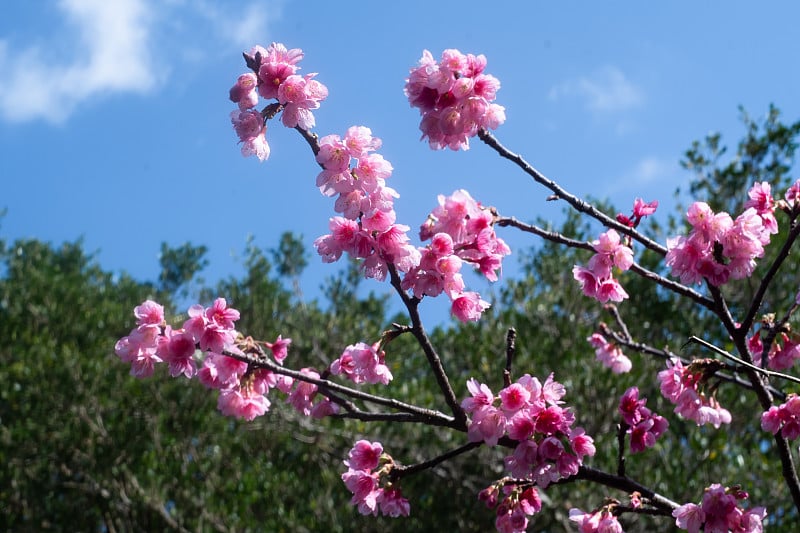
530	417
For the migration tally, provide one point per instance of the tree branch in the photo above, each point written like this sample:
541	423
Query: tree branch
577	203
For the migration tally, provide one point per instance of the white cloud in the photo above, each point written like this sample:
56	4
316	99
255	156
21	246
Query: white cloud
242	27
112	55
606	90
649	172
651	169
110	48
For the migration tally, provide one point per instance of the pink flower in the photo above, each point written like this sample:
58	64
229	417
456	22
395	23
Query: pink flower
482	396
177	348
601	521
514	397
487	425
364	455
221	315
242	402
362	363
392	503
468	307
279	348
720	512
303	394
244	91
364	486
690	517
610	355
784	418
149	313
642	209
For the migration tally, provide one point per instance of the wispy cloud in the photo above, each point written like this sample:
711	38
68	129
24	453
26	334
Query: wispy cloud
110	47
243	26
648	173
606	90
650	169
112	55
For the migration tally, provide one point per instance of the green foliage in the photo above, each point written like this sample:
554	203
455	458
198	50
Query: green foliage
179	265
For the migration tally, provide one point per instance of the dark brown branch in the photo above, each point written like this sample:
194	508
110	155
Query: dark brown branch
434	361
511	350
622	430
311	139
399	472
428	416
755	305
578	204
622	483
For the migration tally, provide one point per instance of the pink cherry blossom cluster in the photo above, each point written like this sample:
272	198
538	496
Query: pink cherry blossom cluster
719	248
153	341
719	512
644	426
363	363
683	386
454	97
781	355
206	335
366	465
610	354
600	521
529	412
274	76
460	230
367	229
518	503
641	209
597	281
784	418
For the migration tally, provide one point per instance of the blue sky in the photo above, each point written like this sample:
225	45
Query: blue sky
114	118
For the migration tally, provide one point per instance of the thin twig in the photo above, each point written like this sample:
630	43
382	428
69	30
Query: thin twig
558	238
765	281
577	203
754	368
